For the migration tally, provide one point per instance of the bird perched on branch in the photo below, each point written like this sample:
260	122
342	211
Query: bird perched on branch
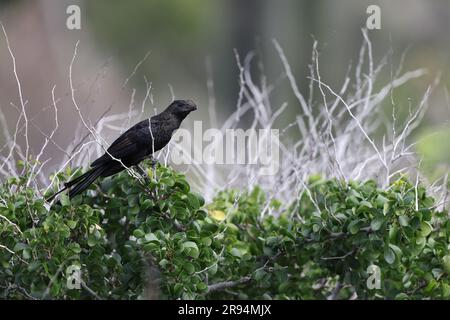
134	145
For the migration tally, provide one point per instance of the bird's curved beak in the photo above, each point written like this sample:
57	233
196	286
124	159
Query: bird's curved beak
192	105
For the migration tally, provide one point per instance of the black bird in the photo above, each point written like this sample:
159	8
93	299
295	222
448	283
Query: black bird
133	146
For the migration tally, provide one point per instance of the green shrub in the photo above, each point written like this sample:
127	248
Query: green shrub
320	245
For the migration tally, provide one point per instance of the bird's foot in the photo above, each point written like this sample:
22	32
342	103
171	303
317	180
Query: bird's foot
142	172
153	162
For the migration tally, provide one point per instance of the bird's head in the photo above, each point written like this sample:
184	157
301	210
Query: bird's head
181	108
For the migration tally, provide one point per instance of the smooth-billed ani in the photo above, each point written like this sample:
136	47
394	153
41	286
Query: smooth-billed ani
134	145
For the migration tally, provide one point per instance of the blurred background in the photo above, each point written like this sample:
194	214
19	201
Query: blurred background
182	44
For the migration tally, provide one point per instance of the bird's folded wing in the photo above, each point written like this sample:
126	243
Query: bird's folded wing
129	143
124	146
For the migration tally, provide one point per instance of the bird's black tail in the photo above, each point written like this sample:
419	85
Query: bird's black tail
81	183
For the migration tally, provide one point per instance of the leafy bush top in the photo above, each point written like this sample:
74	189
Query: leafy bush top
158	239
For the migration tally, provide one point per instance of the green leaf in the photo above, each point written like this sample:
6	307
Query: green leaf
401	296
92	241
210	227
149	237
189	267
201	286
386	208
72	224
147	204
236	252
138	233
365	204
150	247
431	286
163	263
74	247
389	255
64	199
354	226
445	290
393	230
26	254
191	249
178	288
20	246
403	220
377	223
200	199
437	273
446	263
316	228
206	241
193	201
398	252
425	228
213	269
259	274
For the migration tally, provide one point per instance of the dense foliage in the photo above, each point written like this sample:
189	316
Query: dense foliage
156	238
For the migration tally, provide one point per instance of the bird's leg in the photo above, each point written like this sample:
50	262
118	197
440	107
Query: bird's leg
141	172
153	161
